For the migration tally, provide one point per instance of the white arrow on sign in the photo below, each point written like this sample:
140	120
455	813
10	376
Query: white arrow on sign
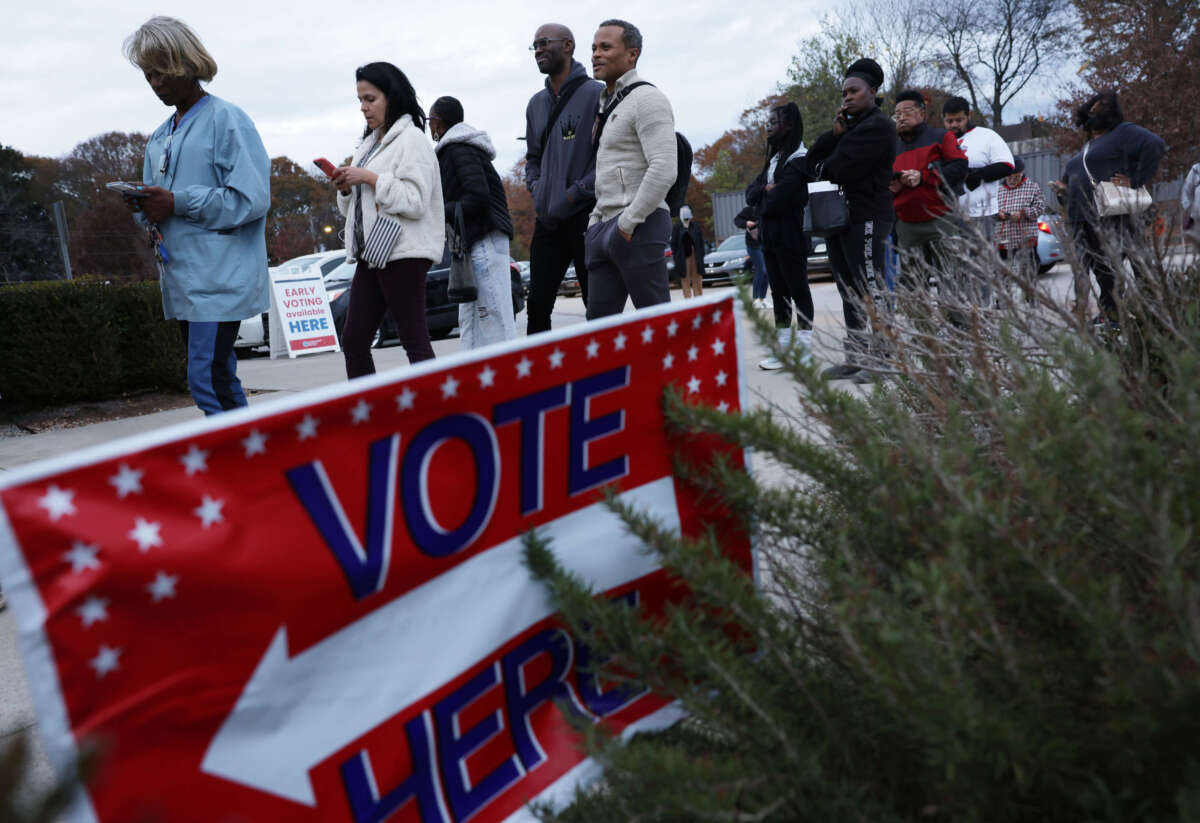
296	711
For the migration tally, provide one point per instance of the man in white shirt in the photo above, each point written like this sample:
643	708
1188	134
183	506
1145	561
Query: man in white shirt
989	160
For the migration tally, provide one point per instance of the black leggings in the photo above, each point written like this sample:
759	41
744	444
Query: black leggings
1095	256
848	259
788	275
399	287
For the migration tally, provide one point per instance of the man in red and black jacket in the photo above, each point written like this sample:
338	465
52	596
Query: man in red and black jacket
928	171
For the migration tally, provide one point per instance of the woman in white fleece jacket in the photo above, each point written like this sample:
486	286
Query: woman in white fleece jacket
394	172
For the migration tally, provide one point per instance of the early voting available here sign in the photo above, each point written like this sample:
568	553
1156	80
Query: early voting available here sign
301	320
316	609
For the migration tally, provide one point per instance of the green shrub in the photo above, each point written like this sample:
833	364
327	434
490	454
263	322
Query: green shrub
980	584
67	341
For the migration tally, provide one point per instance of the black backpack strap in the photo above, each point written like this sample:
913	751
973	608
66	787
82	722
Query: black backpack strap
563	97
602	117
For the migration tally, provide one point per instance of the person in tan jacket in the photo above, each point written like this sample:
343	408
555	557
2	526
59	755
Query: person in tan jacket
630	226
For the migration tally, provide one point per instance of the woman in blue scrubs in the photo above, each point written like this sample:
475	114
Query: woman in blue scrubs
207	179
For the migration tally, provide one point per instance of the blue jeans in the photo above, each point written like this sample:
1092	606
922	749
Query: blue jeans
212	365
759	289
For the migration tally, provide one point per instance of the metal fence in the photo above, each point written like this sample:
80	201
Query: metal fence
725	208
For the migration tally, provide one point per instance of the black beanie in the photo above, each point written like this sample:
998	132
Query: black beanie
867	70
448	109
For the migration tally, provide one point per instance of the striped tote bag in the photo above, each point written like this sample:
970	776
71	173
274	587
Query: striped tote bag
381	241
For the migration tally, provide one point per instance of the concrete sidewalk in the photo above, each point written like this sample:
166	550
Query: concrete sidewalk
273	378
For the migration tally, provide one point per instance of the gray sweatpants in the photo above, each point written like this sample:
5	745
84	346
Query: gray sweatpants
620	268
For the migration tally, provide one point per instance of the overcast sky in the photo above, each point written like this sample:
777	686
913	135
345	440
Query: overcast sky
290	66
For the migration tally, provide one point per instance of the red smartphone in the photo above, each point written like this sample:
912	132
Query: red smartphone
325	166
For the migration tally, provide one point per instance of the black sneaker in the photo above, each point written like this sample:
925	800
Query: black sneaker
844	371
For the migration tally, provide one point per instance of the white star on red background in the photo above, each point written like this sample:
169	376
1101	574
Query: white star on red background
668	360
487	377
404	400
693	385
361	412
647	334
593	348
209	511
82	556
619	341
721	377
93	610
255	443
58	502
105	661
556	359
127	481
450	387
693	352
163	586
524	367
194	460
145	534
718	346
307	428
672	327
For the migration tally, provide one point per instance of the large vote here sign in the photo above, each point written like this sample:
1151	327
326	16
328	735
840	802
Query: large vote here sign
316	609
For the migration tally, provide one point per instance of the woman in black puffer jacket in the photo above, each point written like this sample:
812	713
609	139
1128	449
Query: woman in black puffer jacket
470	183
778	197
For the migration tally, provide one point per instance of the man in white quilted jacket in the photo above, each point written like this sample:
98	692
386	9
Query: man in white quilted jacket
630	227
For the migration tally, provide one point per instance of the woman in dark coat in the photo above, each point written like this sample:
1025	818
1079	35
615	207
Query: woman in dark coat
778	195
857	155
1116	151
471	185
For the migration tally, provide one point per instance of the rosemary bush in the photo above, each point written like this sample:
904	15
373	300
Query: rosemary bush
978	589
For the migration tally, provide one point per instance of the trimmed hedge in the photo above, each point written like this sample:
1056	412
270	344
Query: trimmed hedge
65	341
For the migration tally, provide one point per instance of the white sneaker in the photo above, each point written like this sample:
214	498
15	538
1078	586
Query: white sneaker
784	338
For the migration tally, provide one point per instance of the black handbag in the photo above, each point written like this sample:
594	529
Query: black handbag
460	286
828	211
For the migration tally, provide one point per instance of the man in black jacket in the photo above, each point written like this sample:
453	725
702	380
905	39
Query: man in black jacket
857	155
560	169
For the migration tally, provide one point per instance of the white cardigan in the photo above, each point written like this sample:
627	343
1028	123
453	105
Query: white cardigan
409	188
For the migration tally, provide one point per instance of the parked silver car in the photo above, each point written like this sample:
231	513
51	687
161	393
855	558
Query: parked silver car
1049	249
726	261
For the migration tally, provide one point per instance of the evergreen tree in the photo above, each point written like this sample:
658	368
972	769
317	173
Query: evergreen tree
978	583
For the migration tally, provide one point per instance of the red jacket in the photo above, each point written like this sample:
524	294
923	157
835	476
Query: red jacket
943	166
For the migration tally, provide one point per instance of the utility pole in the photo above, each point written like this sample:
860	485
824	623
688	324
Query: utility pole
60	220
